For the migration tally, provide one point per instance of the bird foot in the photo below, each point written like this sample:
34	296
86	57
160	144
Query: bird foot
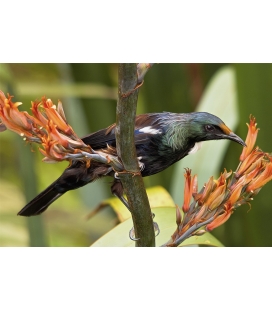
134	173
132	235
132	232
133	90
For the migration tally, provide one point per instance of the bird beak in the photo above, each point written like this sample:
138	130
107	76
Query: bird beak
232	136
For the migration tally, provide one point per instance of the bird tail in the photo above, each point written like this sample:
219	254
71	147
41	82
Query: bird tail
41	202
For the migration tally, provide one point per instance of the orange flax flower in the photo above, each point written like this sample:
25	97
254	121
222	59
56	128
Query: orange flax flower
65	141
236	190
178	222
52	113
208	188
54	135
12	118
50	151
256	171
251	137
39	117
223	176
194	185
178	215
222	218
248	161
262	178
189	189
198	217
216	197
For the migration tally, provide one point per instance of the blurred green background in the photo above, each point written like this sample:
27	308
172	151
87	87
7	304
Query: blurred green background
89	92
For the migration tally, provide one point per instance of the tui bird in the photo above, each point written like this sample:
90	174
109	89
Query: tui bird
161	139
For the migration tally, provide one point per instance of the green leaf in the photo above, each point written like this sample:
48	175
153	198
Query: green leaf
220	99
157	196
166	219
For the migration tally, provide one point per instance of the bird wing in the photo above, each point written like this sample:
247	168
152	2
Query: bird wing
100	139
146	126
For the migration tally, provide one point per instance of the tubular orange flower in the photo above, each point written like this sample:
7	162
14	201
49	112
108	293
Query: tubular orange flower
262	178
216	197
220	219
236	191
255	172
51	112
209	186
194	185
12	118
40	119
223	176
199	214
248	161
50	153
256	165
188	190
178	215
251	138
55	135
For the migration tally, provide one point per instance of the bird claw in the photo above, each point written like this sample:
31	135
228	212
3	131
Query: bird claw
134	173
132	231
156	230
132	235
156	226
133	90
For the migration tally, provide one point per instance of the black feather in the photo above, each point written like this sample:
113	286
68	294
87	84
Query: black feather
41	202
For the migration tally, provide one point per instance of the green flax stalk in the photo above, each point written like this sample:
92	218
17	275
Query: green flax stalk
132	183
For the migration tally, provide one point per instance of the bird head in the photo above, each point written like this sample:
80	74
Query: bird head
205	126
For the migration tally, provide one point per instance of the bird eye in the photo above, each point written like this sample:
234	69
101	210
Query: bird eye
209	127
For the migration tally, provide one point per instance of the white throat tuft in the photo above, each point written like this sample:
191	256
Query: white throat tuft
195	148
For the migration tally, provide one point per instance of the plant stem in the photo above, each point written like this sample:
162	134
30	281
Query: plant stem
132	181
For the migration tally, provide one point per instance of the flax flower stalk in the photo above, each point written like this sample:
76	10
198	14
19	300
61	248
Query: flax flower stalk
48	127
218	199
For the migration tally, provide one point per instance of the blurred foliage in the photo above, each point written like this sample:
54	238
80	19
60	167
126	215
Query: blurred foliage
88	94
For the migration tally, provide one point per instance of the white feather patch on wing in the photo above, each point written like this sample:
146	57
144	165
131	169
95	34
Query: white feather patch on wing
149	129
195	148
